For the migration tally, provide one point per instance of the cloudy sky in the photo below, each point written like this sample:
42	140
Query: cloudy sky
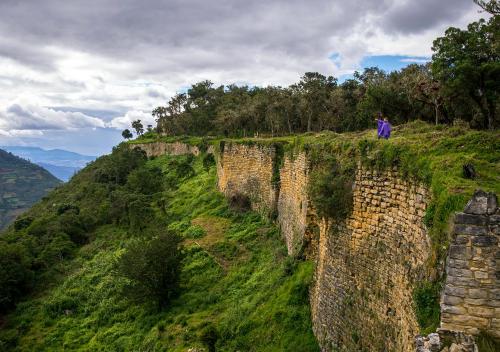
74	73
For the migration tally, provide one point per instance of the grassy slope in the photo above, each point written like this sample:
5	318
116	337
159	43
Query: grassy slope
236	278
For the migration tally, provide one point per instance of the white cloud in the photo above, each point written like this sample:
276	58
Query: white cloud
125	58
125	121
30	117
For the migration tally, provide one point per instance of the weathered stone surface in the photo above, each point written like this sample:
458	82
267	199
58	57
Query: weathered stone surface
482	203
461	229
293	203
368	265
470	219
484	241
162	148
248	170
472	270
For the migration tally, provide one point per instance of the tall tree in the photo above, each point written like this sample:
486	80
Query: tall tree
138	127
491	6
127	134
468	62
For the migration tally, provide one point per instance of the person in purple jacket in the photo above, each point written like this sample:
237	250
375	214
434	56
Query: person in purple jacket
385	131
383	127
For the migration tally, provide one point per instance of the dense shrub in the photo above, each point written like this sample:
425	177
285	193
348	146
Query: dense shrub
16	276
152	268
331	189
426	299
208	161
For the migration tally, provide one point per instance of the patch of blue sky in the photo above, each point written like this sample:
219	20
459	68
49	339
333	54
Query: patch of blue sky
387	63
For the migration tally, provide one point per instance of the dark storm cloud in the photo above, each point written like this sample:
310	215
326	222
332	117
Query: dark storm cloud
416	16
179	35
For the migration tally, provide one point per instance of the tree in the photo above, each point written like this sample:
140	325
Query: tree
152	268
138	127
491	6
16	276
127	134
315	90
467	62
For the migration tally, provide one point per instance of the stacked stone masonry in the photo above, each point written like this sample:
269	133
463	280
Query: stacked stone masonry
248	171
368	265
471	296
293	203
162	148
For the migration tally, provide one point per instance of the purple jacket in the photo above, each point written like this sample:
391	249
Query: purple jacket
385	130
379	127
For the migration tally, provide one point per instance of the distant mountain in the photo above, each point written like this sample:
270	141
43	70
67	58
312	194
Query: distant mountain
61	163
61	172
21	185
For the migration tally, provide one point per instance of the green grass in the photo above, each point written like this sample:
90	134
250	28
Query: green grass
236	280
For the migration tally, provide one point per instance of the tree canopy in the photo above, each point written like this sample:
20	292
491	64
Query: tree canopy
461	82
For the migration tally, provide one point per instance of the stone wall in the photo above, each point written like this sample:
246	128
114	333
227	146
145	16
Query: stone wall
368	265
471	297
248	170
293	203
162	148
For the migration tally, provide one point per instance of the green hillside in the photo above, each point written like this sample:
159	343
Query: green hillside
237	289
21	185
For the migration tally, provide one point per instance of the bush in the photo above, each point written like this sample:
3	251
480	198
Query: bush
152	268
426	300
331	190
208	161
209	337
22	223
145	181
15	274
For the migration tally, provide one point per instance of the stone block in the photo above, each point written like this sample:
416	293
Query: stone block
477	293
455	291
462	229
459	252
481	274
452	300
481	312
465	273
471	219
453	309
482	203
485	241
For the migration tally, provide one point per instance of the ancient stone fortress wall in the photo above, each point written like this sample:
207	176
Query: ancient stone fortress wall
293	202
368	265
471	296
248	170
162	148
